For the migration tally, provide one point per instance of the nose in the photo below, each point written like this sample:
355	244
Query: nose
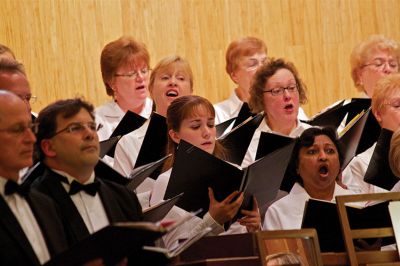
206	132
89	133
286	94
322	156
387	69
29	136
172	82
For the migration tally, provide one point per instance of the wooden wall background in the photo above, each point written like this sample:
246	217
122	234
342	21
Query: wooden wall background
60	41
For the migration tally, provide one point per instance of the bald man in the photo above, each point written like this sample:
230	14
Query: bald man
30	228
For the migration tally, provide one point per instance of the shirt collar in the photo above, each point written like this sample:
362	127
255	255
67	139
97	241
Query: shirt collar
71	178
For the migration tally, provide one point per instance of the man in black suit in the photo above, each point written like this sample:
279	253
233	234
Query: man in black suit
30	228
68	145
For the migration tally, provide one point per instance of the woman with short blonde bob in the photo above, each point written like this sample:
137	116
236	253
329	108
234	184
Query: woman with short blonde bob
376	57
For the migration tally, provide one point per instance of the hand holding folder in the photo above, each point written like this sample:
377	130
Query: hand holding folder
195	170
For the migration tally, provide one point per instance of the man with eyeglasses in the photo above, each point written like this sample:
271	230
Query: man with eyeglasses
68	145
31	230
13	78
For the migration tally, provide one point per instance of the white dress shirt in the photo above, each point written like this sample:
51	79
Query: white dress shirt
23	213
251	153
110	114
287	213
89	207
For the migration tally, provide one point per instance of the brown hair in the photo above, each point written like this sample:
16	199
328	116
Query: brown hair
261	77
242	47
47	118
124	51
362	52
180	109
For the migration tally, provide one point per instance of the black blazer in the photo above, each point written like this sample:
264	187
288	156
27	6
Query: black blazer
15	248
120	205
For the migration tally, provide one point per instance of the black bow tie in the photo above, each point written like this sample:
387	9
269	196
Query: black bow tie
90	189
12	187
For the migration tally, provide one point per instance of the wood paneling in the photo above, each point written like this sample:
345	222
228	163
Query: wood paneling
60	41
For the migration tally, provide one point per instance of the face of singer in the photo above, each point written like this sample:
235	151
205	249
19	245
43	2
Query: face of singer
389	115
16	148
319	165
73	150
246	68
283	108
170	83
198	129
379	64
131	90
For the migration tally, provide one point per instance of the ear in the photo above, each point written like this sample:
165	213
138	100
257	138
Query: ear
359	77
234	77
378	116
174	136
46	146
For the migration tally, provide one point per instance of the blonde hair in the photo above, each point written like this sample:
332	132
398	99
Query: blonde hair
385	87
363	51
167	62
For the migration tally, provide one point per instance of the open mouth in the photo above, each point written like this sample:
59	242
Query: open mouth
172	93
323	170
289	107
140	88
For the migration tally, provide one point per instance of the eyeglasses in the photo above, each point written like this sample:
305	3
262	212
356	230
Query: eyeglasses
394	104
253	64
77	128
134	74
19	129
29	98
279	91
379	64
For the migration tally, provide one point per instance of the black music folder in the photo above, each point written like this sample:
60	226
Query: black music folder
157	212
106	172
350	137
270	142
195	170
324	217
238	139
139	174
378	171
112	243
243	115
107	145
130	122
154	144
222	127
332	116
